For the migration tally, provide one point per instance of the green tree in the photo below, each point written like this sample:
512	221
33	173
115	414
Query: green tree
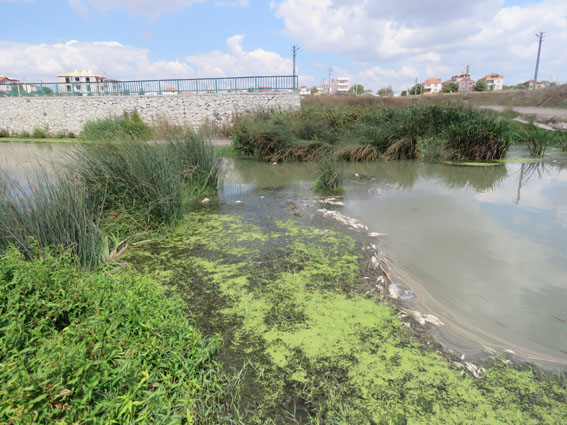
419	89
314	90
404	93
386	91
356	89
481	85
450	87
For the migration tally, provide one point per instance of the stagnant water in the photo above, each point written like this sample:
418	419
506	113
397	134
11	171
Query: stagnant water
482	248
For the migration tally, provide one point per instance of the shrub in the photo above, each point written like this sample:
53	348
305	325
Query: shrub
97	348
561	137
24	135
4	133
39	133
126	127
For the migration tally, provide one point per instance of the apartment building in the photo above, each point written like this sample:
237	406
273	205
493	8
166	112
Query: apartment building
82	82
494	81
432	85
340	85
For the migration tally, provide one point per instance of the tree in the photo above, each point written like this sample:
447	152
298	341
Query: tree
419	89
404	93
356	89
314	90
450	87
386	91
481	85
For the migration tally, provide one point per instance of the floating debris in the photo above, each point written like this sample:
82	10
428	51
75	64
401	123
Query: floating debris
376	235
433	320
398	291
331	201
238	202
347	221
415	315
205	201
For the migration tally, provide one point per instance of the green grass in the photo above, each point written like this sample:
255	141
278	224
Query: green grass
125	127
43	140
99	348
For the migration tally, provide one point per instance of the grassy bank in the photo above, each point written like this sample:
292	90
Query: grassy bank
358	133
98	347
291	302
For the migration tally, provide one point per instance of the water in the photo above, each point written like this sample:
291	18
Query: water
483	248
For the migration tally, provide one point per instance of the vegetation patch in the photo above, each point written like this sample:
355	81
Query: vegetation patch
288	300
100	347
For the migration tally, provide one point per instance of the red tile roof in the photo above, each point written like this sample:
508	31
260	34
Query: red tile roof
432	81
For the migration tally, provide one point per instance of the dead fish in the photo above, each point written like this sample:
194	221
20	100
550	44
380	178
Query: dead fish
375	262
376	235
433	320
415	315
205	201
238	202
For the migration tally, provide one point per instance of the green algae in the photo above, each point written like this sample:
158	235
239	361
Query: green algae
286	299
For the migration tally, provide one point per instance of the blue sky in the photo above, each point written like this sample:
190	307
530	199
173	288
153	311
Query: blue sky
376	43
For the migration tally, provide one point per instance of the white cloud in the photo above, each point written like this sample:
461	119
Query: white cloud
116	60
45	61
238	61
392	38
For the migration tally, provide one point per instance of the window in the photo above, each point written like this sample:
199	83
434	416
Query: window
78	87
88	80
77	79
68	87
67	80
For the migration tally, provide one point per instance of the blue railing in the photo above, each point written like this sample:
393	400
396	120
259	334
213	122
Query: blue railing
255	84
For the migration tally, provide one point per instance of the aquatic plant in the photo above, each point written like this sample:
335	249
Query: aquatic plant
129	126
99	348
329	174
50	211
535	138
561	138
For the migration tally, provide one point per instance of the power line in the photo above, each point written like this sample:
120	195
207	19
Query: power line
540	36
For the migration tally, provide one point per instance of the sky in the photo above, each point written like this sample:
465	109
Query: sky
376	43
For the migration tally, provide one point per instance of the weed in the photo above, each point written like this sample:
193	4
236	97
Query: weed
125	127
39	133
561	138
329	175
4	133
536	139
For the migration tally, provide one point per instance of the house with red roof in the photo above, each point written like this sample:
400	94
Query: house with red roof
432	85
494	81
464	81
6	84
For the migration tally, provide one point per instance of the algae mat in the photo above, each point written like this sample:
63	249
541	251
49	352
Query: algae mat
288	299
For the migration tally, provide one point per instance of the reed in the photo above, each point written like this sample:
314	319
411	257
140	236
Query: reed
129	126
536	139
329	175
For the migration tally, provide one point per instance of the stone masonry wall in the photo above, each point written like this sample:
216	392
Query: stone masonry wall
69	114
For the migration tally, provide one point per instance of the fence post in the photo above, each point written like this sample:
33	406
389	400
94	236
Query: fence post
159	86
178	87
216	85
90	92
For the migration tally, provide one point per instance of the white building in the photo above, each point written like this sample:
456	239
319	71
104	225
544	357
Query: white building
304	91
494	81
432	85
340	85
81	82
7	84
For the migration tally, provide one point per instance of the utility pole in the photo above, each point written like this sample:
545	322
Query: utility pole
415	87
540	36
467	81
294	50
330	70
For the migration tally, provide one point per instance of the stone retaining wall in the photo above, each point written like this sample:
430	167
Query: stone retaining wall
69	114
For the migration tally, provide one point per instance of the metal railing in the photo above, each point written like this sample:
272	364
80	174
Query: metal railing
254	84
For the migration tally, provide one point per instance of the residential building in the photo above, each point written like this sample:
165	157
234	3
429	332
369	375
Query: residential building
6	84
81	82
323	88
304	91
540	84
340	85
494	81
464	81
432	85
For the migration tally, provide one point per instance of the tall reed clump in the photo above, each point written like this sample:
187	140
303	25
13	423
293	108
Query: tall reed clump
561	137
129	126
536	139
146	182
50	211
99	348
329	175
476	137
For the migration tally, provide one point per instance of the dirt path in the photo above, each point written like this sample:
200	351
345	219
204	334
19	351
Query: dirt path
548	118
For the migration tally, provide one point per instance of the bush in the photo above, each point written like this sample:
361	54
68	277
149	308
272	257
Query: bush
126	127
4	133
561	137
97	348
39	133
